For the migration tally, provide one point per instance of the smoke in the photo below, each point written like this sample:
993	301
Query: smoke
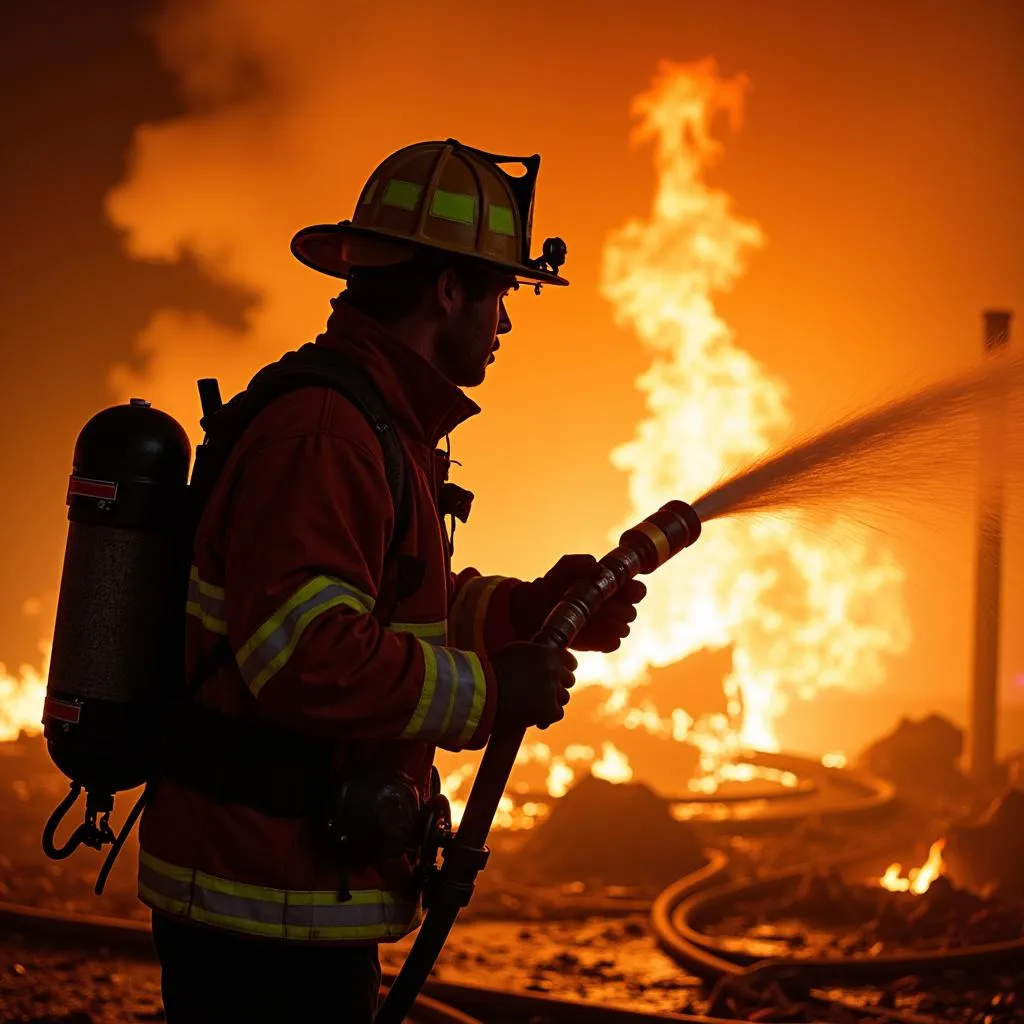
290	107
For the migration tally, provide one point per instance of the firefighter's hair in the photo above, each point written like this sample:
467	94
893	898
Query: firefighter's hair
391	293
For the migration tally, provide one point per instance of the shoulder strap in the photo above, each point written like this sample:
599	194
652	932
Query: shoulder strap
310	365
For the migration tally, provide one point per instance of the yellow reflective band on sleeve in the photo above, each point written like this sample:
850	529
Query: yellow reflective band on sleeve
451	700
468	617
371	914
267	651
434	633
206	603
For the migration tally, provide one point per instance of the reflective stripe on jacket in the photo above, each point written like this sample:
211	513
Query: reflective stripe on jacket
288	565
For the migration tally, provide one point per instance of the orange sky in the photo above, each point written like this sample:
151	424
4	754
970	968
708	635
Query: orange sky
880	154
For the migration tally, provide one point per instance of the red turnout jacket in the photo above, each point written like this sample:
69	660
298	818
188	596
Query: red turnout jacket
288	566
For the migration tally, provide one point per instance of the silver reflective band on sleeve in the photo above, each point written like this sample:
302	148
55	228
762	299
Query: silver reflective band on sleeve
452	698
267	651
206	603
273	913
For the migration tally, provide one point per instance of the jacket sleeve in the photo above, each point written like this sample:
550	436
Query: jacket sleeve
480	616
311	515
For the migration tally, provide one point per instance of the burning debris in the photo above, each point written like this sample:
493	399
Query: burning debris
988	855
920	878
826	916
605	834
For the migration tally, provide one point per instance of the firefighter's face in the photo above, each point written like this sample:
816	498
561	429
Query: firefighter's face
468	337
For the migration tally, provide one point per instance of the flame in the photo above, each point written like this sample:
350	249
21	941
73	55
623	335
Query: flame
613	766
560	777
919	879
21	699
802	607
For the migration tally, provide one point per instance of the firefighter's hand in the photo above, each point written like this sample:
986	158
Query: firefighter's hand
532	602
533	684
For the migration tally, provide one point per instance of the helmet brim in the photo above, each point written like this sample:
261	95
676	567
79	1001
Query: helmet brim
337	249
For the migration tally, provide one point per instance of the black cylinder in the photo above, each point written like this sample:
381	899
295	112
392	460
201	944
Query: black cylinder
118	636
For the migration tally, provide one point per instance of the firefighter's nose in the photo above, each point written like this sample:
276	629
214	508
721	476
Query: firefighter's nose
504	321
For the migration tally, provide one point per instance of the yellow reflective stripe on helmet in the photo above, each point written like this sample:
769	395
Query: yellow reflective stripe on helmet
467	619
451	700
433	633
206	603
456	206
403	194
273	913
501	221
267	651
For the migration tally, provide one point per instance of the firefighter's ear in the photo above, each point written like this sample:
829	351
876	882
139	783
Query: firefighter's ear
449	293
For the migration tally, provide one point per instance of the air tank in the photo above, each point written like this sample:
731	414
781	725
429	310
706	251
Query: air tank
118	636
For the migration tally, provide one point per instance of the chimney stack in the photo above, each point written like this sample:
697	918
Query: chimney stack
982	735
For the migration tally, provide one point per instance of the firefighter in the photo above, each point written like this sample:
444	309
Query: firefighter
331	687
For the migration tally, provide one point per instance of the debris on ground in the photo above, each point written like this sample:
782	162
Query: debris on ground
825	916
988	854
602	833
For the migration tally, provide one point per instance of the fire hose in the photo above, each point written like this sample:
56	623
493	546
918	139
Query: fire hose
641	549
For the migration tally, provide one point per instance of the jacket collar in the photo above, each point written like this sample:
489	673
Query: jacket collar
422	401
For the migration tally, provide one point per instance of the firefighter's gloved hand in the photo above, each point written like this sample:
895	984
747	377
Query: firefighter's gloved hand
533	684
532	602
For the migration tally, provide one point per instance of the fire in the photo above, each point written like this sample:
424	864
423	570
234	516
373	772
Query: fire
919	879
613	766
562	771
21	699
803	606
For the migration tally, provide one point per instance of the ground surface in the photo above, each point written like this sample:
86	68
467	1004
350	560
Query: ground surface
578	940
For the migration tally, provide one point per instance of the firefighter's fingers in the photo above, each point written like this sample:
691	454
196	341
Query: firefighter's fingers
618	611
549	720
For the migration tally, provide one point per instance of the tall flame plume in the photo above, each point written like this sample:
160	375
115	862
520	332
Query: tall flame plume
803	606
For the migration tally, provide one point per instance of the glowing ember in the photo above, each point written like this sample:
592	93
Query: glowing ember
560	777
563	770
834	760
613	766
802	607
919	879
21	699
739	771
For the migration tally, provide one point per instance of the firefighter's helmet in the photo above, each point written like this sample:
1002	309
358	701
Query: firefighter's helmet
442	195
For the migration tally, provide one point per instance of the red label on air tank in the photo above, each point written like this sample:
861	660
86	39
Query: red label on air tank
61	710
86	488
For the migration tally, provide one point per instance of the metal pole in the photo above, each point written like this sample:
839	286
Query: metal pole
985	682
